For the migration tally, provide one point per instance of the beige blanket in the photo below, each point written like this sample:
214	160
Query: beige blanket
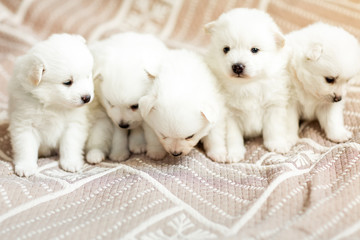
313	192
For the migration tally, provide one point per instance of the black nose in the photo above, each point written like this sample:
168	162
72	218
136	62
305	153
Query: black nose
86	98
175	154
337	98
238	68
123	125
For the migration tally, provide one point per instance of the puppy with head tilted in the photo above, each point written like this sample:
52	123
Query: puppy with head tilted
323	59
184	106
120	81
247	55
49	89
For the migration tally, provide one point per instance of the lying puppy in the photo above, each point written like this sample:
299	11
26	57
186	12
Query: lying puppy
184	106
323	59
120	81
48	90
248	57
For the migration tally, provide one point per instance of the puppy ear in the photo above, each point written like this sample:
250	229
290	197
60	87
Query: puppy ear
279	39
314	52
210	27
152	68
97	77
97	71
146	105
209	114
34	68
150	76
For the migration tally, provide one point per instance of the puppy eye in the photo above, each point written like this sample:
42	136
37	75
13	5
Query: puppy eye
163	136
189	137
255	50
330	80
226	49
134	107
109	103
68	83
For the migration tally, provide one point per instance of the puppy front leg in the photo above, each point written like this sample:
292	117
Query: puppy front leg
154	149
137	142
234	141
292	124
119	150
214	143
331	119
274	130
99	141
71	147
25	148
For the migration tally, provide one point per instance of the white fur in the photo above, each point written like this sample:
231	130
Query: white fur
121	80
45	114
258	96
320	51
184	106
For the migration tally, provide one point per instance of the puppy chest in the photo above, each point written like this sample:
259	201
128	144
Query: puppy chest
50	131
307	110
251	124
250	118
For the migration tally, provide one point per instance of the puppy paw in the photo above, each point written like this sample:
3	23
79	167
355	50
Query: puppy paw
293	140
278	145
25	169
156	152
340	136
119	156
71	165
236	155
137	148
95	156
217	155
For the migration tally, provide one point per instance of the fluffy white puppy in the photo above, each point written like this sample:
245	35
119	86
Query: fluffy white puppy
120	81
323	59
184	106
248	57
49	87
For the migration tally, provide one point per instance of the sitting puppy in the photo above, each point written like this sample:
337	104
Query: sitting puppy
184	106
120	81
323	59
248	57
48	90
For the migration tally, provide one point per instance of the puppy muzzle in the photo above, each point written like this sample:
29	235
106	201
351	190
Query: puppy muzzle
86	98
337	98
238	69
176	154
124	125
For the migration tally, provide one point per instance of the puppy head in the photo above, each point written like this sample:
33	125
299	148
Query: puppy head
121	61
58	71
183	104
178	127
121	85
327	61
245	44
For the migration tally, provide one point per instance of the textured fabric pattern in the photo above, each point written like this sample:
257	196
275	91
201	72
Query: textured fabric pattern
313	192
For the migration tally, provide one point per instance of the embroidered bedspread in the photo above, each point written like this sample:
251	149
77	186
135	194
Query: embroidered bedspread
313	192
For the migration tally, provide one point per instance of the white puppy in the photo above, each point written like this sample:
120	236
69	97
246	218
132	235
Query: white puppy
184	106
247	55
120	81
49	87
323	59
